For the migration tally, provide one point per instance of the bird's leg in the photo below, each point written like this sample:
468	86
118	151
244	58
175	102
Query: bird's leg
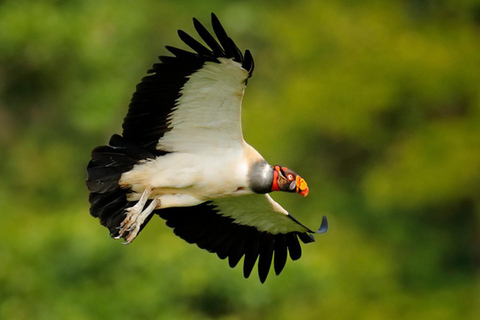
134	229
136	216
135	210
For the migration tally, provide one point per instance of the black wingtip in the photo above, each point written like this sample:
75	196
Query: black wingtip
213	17
221	34
194	44
265	256
324	226
294	248
208	38
224	47
280	258
248	63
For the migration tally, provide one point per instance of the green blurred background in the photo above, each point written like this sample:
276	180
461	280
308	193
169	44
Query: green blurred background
375	103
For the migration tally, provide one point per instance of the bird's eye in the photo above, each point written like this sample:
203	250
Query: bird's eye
290	177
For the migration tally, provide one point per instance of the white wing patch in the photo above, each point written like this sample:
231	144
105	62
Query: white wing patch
208	112
259	211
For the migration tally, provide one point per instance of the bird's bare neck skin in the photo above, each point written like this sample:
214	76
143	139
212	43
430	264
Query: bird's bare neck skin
261	177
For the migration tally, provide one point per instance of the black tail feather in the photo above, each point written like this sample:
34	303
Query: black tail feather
108	200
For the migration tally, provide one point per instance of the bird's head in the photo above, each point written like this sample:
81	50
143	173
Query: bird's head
285	179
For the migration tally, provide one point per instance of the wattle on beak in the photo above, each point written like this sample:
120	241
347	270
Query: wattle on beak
302	187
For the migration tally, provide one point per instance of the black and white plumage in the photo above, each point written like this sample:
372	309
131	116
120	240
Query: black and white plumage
182	156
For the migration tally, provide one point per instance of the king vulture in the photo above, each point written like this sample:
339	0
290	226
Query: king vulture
182	156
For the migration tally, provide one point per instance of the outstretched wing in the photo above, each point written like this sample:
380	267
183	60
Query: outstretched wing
192	100
253	226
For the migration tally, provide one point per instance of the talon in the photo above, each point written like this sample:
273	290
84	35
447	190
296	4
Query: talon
135	217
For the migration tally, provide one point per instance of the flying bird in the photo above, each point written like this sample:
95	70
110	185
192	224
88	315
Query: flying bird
182	156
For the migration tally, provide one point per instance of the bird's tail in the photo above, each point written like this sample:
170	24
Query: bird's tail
108	200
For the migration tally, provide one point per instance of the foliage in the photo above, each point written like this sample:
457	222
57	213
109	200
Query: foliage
376	104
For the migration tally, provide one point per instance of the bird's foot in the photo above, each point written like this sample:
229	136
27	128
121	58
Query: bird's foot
135	217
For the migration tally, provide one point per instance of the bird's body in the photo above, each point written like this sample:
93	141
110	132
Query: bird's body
193	174
182	156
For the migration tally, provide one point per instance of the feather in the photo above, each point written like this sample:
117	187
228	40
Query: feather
194	44
221	34
265	257
179	53
293	246
252	247
237	248
209	40
280	249
248	63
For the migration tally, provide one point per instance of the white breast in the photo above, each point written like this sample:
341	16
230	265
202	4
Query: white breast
220	173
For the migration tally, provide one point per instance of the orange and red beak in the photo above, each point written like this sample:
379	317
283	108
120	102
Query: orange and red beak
302	187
